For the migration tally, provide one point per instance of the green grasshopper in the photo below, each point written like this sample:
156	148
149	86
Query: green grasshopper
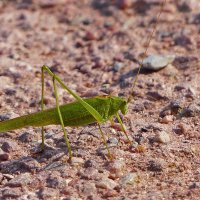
81	112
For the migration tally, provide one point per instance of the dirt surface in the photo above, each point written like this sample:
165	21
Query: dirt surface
95	47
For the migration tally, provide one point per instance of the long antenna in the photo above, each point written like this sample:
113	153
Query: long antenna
146	50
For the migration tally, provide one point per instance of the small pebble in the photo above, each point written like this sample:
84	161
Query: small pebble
3	155
154	166
117	66
116	168
141	6
162	137
4	117
184	62
89	173
182	40
29	195
30	164
167	119
90	36
55	181
102	151
129	179
137	148
77	161
89	188
20	180
10	92
106	183
134	145
89	163
191	111
112	141
180	129
172	109
47	3
139	139
9	167
27	137
194	185
184	6
195	19
10	146
24	4
12	193
49	193
154	95
98	62
157	62
110	193
8	176
105	88
175	107
124	4
138	107
190	92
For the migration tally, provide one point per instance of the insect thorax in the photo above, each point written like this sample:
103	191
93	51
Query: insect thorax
118	103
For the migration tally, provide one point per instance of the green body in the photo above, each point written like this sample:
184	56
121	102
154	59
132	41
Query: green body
74	114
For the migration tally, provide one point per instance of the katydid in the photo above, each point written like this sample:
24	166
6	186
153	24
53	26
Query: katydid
81	112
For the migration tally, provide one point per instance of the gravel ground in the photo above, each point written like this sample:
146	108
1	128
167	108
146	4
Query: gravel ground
95	47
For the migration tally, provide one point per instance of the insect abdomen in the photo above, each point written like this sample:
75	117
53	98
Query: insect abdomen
74	114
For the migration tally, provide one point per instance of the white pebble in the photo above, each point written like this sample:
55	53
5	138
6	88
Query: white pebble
162	137
129	179
77	161
157	62
106	183
167	119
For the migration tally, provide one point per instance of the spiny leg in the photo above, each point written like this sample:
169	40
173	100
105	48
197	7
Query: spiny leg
61	120
104	141
42	105
59	113
89	108
123	128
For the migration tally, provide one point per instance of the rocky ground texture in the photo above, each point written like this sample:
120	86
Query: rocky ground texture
95	47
